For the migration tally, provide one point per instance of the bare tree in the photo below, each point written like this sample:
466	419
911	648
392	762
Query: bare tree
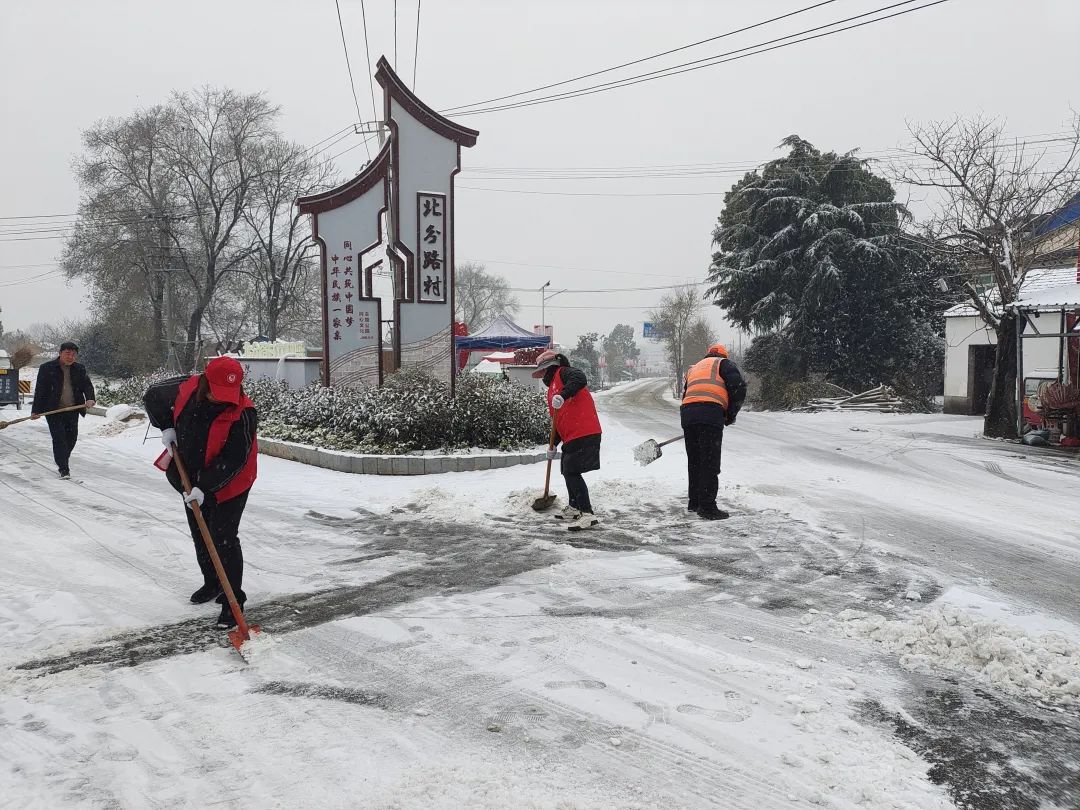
283	265
213	150
699	337
480	296
992	192
127	194
172	184
231	315
673	320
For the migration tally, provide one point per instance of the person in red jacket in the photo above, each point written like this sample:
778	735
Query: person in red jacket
213	425
577	427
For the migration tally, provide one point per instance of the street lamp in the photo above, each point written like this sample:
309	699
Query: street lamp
543	300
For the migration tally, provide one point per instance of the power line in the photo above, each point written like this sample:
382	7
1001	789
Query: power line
33	279
416	46
564	267
32	238
673	69
607	289
367	55
638	61
692	170
348	64
602	306
597	193
314	147
334	142
130	215
1018	141
355	146
699	64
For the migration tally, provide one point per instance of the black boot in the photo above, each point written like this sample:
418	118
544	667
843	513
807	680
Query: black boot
712	513
211	590
226	620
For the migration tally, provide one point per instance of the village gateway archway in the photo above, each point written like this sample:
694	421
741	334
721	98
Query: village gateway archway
409	186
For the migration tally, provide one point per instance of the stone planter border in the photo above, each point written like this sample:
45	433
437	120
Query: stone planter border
364	464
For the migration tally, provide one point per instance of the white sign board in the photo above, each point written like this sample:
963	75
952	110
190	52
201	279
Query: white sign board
431	246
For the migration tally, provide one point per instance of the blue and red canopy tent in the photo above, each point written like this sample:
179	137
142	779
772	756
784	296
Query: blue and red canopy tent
501	334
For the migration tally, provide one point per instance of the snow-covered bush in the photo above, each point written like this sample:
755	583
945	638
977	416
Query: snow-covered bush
412	411
129	391
497	413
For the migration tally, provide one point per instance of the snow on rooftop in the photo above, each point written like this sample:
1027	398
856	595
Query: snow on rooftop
1065	296
1037	280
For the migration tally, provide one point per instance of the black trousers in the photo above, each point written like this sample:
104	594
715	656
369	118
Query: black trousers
578	492
64	429
223	520
703	444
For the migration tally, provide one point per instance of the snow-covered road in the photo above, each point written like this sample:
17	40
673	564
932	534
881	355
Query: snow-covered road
966	507
439	645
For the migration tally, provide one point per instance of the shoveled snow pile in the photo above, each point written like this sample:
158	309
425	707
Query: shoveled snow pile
1044	666
119	413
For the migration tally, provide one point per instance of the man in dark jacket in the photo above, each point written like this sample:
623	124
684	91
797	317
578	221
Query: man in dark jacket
62	383
577	427
713	393
213	424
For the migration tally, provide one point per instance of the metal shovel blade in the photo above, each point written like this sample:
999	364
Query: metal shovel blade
237	637
647	452
543	503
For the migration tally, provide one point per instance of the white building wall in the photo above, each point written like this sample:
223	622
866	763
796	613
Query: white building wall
962	332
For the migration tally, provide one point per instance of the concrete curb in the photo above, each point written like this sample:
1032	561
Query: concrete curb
366	464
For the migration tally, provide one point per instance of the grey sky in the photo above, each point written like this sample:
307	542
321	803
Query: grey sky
64	65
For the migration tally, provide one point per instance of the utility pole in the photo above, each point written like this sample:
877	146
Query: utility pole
171	361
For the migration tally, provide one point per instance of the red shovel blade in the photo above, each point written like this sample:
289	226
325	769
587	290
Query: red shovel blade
237	637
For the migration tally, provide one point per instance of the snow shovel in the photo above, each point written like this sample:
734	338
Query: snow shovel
4	424
649	450
243	631
544	502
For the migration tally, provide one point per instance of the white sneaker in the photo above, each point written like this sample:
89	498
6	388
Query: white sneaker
568	513
586	520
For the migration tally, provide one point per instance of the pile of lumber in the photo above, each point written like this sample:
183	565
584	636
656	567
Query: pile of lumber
882	399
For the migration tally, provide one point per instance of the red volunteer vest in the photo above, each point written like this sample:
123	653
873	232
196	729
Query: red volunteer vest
219	434
577	417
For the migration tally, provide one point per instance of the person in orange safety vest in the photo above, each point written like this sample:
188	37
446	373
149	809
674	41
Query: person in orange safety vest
713	392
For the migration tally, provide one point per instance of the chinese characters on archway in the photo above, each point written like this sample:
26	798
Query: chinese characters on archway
345	287
431	246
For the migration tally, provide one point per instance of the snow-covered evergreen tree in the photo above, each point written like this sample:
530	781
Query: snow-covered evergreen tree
810	251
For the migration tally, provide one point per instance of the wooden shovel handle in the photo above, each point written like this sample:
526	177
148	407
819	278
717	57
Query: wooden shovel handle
551	446
223	578
68	408
46	413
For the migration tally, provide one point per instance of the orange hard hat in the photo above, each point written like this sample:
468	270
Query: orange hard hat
717	348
